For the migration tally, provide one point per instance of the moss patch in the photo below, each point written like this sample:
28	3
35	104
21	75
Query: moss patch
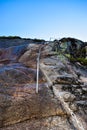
83	61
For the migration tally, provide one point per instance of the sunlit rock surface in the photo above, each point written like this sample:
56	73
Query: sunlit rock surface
21	108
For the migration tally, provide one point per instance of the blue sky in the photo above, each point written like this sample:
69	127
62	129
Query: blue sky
44	18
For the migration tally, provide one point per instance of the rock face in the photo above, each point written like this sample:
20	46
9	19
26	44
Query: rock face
10	41
18	99
50	123
61	103
19	103
68	82
76	48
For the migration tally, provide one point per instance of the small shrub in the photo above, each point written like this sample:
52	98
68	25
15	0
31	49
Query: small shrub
10	37
38	40
83	61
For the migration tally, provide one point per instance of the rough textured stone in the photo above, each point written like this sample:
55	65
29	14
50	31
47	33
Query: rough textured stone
18	100
12	54
68	97
72	89
50	123
76	48
22	109
19	103
16	73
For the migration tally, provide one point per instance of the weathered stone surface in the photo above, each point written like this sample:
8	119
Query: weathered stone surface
18	100
6	42
82	103
76	48
16	73
22	109
29	58
11	54
72	84
73	106
49	123
9	42
19	103
66	79
68	97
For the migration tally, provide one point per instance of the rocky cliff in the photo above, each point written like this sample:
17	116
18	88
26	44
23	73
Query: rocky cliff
61	102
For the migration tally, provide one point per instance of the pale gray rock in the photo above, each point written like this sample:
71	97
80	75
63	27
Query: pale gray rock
68	97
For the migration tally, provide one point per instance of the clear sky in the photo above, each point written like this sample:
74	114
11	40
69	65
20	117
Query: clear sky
44	18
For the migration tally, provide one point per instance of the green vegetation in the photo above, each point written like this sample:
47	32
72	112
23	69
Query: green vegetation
38	40
74	55
83	61
10	37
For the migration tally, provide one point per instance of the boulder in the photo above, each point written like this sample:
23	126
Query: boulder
76	48
12	54
68	97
